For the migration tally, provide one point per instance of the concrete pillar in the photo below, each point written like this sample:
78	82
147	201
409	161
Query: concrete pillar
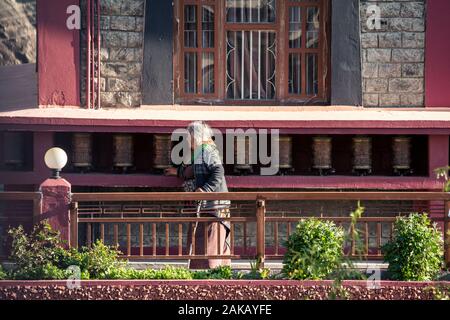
56	205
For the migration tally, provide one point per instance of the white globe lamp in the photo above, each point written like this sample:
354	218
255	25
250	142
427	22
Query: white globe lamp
55	159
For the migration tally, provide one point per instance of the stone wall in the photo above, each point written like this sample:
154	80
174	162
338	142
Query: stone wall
122	29
393	56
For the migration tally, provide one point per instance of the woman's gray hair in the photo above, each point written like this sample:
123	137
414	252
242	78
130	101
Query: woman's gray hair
201	132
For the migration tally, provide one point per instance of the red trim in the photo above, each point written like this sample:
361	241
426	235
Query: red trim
167	126
437	62
237	182
58	54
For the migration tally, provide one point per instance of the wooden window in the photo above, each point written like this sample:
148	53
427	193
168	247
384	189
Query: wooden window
251	51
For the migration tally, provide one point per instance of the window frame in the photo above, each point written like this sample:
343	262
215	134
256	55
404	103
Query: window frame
281	27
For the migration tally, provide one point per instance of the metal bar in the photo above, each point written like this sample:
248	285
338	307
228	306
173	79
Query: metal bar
92	97
242	64
141	239
232	239
180	239
245	237
259	59
128	239
205	234
73	225
276	238
353	248
251	63
102	232
89	235
154	238
88	55
366	238
379	238
99	35
219	251
167	240
260	233
116	235
193	229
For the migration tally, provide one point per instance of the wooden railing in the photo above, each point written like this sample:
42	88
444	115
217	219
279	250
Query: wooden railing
102	216
17	208
155	225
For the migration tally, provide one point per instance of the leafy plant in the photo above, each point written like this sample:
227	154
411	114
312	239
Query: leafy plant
314	250
257	273
3	274
416	251
35	254
99	260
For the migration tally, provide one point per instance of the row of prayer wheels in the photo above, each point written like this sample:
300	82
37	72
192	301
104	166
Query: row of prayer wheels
322	149
123	151
322	153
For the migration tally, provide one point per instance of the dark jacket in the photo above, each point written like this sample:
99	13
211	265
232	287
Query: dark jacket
209	174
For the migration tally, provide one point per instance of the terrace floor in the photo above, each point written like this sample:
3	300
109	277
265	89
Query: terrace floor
245	264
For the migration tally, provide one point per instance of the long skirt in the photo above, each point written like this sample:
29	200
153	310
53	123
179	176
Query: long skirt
210	239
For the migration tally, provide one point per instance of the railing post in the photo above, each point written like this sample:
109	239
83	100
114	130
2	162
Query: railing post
260	233
447	234
74	225
56	201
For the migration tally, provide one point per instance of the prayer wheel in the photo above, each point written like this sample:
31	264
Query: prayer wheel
362	155
162	151
285	159
401	147
322	158
82	150
14	149
123	151
242	155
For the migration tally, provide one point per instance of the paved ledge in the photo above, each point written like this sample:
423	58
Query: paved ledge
220	116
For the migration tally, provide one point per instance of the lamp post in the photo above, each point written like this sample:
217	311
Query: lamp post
55	159
56	193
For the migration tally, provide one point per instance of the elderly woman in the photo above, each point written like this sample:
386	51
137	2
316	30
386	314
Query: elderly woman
205	173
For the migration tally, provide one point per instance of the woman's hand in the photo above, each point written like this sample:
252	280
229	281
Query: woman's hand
171	172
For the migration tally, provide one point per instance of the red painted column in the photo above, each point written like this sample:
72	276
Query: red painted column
58	54
437	61
438	152
56	205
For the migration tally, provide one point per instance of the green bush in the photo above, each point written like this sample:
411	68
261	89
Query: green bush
35	255
3	274
314	250
416	251
41	255
99	260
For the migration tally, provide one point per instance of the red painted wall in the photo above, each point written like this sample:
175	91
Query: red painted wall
58	55
437	58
